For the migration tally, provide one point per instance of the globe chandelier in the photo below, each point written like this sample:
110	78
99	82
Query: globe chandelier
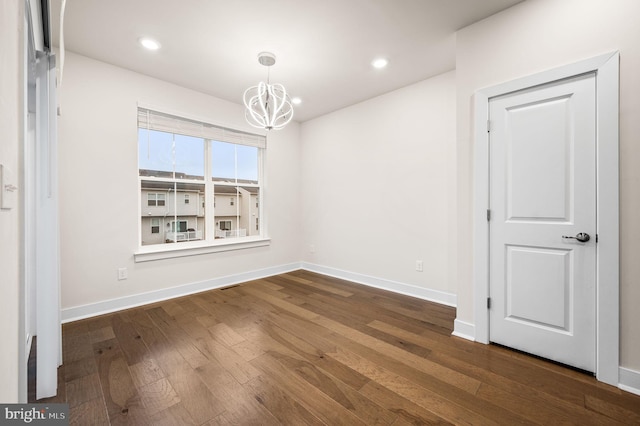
267	105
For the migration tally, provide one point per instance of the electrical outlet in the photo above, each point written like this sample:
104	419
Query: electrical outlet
122	274
419	266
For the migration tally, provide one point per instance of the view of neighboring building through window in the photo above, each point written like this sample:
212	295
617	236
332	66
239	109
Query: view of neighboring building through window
178	226
183	171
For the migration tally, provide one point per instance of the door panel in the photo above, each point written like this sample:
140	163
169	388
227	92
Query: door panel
538	286
542	187
538	160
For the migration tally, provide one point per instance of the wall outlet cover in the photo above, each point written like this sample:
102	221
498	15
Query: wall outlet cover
122	274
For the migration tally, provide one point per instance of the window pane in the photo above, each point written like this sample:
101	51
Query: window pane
223	162
161	154
155	153
230	162
236	214
247	168
250	212
226	212
189	157
171	220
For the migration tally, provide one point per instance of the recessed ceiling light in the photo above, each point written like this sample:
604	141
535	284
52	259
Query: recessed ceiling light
379	63
149	43
296	101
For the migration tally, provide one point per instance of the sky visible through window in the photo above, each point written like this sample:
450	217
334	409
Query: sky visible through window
156	151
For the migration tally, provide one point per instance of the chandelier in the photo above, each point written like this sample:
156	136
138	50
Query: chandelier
267	105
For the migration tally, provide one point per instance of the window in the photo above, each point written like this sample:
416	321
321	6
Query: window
184	164
154	199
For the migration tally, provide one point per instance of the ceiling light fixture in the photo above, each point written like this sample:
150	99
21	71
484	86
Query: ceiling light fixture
267	105
149	43
296	101
380	63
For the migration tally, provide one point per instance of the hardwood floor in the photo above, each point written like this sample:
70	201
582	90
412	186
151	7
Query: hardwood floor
302	348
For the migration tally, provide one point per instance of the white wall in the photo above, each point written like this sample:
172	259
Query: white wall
11	135
378	186
99	186
534	36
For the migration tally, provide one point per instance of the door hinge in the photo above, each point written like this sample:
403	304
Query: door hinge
488	303
596	238
488	215
488	126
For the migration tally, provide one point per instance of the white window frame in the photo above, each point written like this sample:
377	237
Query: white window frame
209	244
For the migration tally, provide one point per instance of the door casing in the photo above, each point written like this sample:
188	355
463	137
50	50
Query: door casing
606	68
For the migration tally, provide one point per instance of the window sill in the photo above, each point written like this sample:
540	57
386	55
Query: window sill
161	251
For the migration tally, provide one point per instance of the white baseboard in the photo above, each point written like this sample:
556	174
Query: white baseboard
107	306
629	380
440	297
464	330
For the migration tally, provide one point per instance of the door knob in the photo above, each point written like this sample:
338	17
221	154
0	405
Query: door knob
583	237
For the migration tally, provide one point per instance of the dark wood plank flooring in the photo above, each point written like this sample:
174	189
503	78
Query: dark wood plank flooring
302	348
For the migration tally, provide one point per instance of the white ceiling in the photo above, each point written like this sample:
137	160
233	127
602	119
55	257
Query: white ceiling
324	48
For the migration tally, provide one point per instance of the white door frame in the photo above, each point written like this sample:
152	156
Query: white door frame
606	68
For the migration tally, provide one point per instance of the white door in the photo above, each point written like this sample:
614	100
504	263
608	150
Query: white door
543	190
